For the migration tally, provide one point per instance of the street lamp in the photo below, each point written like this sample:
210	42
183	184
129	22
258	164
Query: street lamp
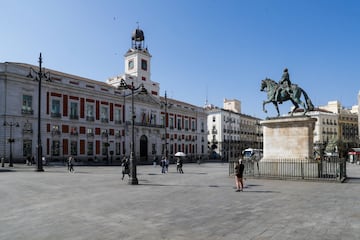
165	126
11	140
39	75
123	85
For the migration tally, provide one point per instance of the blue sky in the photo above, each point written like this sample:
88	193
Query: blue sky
202	49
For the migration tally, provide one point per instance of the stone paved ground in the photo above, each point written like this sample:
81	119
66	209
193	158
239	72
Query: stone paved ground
94	203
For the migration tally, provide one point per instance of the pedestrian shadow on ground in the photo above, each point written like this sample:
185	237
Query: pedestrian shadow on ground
6	170
247	189
196	173
355	180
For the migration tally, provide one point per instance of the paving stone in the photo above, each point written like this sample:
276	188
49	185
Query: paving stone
94	203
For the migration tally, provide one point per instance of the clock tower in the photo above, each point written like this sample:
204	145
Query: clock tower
137	65
137	60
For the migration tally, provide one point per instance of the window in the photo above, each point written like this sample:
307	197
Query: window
104	115
186	124
117	148
73	131
171	123
153	118
74	110
73	148
55	148
90	112
144	64
55	130
153	148
104	133
118	133
90	148
193	125
163	120
27	150
105	146
55	108
89	132
27	105
171	148
118	116
27	128
179	124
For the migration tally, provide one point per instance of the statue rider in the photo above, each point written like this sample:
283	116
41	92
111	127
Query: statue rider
284	83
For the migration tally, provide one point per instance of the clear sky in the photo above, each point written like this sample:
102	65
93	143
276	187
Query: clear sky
201	49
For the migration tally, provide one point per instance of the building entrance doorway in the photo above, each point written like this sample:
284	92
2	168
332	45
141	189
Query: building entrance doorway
143	148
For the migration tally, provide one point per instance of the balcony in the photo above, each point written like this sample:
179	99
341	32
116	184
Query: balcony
27	111
104	120
104	134
118	122
144	124
76	117
90	118
55	133
27	131
90	134
55	115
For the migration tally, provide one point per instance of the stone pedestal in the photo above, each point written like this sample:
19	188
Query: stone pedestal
288	148
288	138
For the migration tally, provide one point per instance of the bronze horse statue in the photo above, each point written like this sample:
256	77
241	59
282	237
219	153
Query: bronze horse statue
294	95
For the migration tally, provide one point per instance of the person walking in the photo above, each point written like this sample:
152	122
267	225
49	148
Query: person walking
180	165
154	161
239	171
163	165
166	164
71	164
126	167
177	164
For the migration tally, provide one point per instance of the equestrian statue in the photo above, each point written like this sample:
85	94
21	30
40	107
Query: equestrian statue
278	93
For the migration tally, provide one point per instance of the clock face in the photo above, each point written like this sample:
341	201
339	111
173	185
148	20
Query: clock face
131	64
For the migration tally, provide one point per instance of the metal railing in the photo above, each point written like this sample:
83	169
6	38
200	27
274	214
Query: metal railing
326	169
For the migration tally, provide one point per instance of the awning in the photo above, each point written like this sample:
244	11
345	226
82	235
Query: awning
354	151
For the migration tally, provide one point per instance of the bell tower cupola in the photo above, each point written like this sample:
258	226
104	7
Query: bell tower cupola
137	39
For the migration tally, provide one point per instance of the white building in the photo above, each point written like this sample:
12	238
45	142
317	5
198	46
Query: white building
230	132
92	119
326	126
336	128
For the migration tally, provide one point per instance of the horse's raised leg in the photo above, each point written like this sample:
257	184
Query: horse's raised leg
264	103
